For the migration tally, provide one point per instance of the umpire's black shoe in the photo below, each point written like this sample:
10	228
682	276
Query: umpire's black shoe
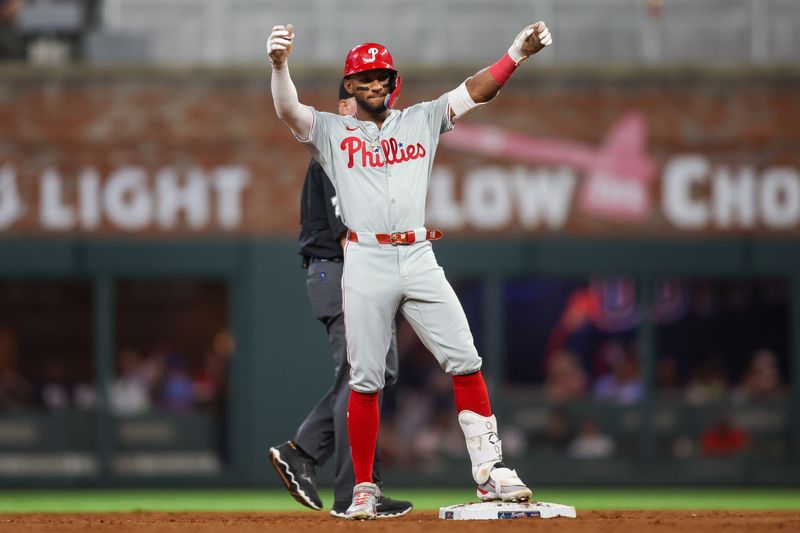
297	472
387	507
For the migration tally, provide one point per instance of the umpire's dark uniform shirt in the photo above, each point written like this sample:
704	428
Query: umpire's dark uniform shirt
320	228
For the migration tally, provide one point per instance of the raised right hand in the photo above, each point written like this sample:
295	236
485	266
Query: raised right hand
279	45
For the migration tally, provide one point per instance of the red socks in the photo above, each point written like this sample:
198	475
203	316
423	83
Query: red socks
363	420
471	395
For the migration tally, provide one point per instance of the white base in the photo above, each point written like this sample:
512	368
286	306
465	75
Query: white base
505	510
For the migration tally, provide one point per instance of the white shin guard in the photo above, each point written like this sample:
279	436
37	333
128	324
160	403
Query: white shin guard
483	444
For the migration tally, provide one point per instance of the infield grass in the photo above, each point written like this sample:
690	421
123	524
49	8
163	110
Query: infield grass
273	500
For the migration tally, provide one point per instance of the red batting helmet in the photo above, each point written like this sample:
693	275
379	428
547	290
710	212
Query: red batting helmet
368	56
372	56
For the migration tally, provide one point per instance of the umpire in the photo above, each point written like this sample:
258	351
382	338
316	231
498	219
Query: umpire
324	431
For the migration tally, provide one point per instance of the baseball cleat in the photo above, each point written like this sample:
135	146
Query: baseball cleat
503	484
296	470
365	501
386	508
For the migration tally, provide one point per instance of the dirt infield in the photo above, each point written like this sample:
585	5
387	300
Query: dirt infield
587	522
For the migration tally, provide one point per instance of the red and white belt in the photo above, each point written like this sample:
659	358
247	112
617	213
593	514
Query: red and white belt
395	239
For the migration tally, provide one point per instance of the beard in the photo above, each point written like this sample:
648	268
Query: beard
370	106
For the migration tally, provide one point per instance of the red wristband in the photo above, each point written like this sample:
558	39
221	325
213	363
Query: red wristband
503	69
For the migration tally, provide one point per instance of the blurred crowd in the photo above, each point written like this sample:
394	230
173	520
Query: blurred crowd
576	368
718	344
167	381
621	381
714	342
161	379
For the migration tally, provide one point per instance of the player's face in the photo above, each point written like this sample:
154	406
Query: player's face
370	88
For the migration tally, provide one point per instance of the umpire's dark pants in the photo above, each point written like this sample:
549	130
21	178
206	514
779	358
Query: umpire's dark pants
324	431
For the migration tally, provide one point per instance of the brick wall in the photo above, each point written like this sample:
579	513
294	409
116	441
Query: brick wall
214	138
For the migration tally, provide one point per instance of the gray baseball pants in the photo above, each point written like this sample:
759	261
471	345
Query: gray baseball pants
324	431
379	280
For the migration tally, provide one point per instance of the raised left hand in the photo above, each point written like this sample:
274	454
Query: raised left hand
530	41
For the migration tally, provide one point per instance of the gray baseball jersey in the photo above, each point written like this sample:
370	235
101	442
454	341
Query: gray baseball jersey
381	178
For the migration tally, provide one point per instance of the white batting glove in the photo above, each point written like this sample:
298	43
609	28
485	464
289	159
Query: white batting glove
529	41
543	33
279	45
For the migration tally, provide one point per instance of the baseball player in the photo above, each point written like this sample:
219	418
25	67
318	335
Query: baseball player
380	163
324	431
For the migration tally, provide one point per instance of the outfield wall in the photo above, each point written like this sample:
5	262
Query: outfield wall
174	195
279	366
